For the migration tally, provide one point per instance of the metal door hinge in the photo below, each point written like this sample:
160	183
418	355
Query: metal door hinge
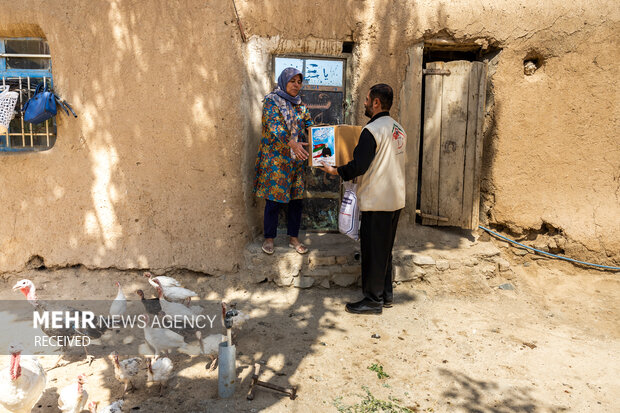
441	72
429	216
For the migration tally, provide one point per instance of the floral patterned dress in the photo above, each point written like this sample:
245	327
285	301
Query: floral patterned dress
279	177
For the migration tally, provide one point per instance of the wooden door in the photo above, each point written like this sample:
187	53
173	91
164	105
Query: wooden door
452	143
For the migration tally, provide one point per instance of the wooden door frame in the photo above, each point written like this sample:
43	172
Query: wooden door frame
410	117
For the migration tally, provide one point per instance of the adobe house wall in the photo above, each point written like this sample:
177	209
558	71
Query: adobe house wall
156	171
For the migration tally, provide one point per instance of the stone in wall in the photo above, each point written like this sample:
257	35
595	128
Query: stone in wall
303	282
283	281
502	264
442	265
344	280
406	273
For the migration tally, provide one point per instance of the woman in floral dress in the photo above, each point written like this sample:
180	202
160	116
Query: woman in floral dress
281	158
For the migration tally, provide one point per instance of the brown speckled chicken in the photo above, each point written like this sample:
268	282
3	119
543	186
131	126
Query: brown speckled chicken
125	370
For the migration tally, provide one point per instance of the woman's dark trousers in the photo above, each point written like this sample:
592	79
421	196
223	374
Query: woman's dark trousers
272	210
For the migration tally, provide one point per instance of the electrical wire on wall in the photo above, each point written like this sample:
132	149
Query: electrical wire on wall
605	267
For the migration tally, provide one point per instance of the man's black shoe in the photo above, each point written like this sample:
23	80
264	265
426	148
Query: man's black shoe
364	307
388	303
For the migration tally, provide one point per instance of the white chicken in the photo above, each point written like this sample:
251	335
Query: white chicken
161	339
125	370
163	280
116	407
210	346
119	305
22	383
159	371
73	398
178	294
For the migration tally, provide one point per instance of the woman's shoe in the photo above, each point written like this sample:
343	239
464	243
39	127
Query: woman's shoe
267	248
300	248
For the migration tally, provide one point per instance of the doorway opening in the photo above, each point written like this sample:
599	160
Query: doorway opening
324	93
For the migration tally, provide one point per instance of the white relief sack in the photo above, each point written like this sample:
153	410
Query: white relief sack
349	215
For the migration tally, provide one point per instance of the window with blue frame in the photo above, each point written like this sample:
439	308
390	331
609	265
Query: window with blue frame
24	64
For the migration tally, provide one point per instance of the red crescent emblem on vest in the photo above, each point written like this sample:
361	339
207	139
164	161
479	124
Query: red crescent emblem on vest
398	136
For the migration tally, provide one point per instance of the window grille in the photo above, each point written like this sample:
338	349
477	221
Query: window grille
24	64
323	93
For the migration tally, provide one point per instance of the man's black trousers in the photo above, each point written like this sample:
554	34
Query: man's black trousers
377	233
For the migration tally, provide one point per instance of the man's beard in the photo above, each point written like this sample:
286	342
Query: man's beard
367	112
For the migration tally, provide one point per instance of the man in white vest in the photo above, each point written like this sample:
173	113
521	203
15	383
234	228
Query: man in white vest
379	162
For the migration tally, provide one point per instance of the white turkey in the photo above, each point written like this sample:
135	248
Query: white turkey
116	407
161	339
151	305
177	309
162	279
73	398
125	370
159	371
119	305
28	289
178	294
210	346
22	383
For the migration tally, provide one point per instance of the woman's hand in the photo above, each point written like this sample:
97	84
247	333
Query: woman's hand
298	149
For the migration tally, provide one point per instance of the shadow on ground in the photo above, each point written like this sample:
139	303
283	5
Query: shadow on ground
478	396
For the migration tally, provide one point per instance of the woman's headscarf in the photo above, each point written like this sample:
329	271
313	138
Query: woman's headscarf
285	77
285	102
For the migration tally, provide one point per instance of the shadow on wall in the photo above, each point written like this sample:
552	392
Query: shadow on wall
161	158
172	89
146	177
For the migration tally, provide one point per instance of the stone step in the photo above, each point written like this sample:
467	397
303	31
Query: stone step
334	260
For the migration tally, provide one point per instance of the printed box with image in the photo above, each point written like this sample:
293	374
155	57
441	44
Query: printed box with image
333	144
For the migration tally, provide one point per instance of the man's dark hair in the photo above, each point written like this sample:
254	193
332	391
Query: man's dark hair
384	93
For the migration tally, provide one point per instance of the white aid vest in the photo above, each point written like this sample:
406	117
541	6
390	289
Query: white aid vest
382	187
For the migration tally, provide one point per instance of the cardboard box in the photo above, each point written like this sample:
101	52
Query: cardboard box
332	144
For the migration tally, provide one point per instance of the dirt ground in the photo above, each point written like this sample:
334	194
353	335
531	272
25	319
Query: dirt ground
448	345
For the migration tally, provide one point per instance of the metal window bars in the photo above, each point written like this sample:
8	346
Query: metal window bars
21	135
